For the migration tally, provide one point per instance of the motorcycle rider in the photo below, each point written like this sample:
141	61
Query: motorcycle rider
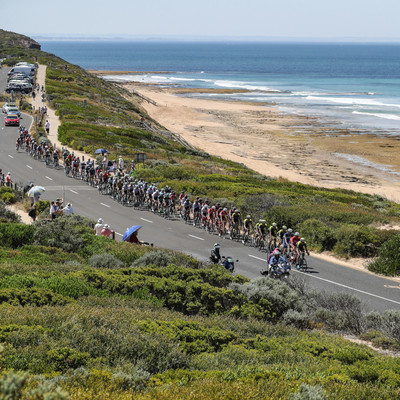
276	259
215	254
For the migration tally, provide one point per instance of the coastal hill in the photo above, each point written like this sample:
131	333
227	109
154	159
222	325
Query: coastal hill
11	40
85	317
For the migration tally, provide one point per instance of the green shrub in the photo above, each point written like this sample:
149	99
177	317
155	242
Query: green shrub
356	241
42	206
7	215
388	260
65	232
8	198
308	392
65	358
16	235
318	234
158	258
105	260
36	297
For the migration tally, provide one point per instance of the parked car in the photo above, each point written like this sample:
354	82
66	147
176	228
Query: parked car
12	120
18	86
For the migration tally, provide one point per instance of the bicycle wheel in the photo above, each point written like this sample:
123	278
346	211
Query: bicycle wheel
303	264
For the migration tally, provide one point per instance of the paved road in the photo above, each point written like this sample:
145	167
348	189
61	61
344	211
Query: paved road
377	293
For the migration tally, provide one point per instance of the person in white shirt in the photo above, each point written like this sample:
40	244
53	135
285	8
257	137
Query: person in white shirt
47	126
121	163
67	210
98	227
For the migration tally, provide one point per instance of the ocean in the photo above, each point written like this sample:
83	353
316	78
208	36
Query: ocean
351	86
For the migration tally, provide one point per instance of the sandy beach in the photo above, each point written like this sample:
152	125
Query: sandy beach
292	147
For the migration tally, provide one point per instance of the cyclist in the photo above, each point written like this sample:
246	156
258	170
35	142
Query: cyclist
293	242
301	248
281	233
261	230
247	226
196	211
222	220
273	233
236	220
286	240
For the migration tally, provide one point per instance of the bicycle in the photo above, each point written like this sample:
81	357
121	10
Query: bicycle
302	263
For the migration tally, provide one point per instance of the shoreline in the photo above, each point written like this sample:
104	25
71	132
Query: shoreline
282	146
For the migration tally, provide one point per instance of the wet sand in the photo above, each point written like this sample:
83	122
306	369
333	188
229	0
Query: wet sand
291	147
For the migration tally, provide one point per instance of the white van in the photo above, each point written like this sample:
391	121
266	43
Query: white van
26	70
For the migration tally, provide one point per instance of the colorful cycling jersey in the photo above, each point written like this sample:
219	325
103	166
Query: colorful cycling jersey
273	230
302	246
262	228
236	216
294	240
211	213
223	215
281	233
247	223
286	238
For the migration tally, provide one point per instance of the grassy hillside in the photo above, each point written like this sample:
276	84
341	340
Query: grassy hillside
89	318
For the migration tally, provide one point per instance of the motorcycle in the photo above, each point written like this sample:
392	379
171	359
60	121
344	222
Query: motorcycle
228	263
279	271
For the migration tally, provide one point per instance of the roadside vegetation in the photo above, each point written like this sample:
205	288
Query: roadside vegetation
85	317
98	114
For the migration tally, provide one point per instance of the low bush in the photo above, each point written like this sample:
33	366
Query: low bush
158	258
105	260
16	235
388	259
308	392
319	235
65	232
35	297
356	241
7	215
8	198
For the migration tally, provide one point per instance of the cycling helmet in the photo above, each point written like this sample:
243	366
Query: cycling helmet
225	209
284	227
297	234
262	221
213	207
274	224
217	246
248	216
290	230
302	240
278	253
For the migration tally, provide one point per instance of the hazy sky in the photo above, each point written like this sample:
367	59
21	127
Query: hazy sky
319	19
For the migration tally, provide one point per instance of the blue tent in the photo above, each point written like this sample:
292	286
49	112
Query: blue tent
130	231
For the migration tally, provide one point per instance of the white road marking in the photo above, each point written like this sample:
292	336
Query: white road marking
196	237
29	166
351	288
73	191
258	258
105	205
147	220
119	234
10	156
50	179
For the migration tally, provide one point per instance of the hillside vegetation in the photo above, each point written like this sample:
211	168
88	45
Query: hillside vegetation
96	114
90	318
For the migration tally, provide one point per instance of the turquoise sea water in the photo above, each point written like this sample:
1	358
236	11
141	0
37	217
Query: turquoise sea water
351	85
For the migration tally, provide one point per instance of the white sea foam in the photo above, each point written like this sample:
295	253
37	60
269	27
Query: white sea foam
385	116
243	85
352	101
366	163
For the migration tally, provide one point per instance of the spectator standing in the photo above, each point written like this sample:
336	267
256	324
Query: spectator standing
53	210
8	179
33	213
68	210
99	227
121	163
106	231
47	126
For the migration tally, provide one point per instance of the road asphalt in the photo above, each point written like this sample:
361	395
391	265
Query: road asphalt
376	293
